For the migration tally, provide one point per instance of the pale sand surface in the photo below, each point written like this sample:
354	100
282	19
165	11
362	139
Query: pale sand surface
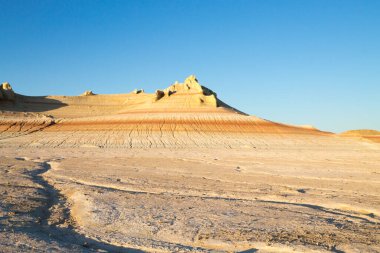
191	200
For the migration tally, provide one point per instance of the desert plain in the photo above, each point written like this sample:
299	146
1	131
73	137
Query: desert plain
179	170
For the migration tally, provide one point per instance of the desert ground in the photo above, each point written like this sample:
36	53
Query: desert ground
178	170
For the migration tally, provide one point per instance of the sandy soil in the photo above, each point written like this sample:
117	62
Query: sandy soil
190	200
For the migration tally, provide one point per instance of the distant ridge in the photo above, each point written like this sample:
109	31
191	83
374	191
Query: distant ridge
369	134
361	132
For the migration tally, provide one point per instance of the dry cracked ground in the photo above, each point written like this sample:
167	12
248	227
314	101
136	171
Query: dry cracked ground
162	200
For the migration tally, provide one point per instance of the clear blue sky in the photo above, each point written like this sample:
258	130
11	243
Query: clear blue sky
297	62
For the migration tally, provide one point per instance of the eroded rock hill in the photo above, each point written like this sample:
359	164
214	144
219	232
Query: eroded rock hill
184	114
179	97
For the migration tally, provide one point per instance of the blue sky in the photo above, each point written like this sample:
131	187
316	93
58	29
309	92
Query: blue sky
297	62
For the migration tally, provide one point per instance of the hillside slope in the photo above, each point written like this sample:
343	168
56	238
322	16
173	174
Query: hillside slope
182	115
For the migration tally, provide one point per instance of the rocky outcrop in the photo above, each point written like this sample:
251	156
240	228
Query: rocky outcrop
136	91
6	92
87	93
159	94
190	85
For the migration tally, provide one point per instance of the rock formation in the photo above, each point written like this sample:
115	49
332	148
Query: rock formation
87	93
190	85
136	91
6	92
190	108
159	94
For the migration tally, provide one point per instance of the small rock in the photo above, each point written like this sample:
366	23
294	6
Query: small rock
159	94
301	190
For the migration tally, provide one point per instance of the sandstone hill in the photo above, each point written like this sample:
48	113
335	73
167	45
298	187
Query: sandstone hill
181	115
